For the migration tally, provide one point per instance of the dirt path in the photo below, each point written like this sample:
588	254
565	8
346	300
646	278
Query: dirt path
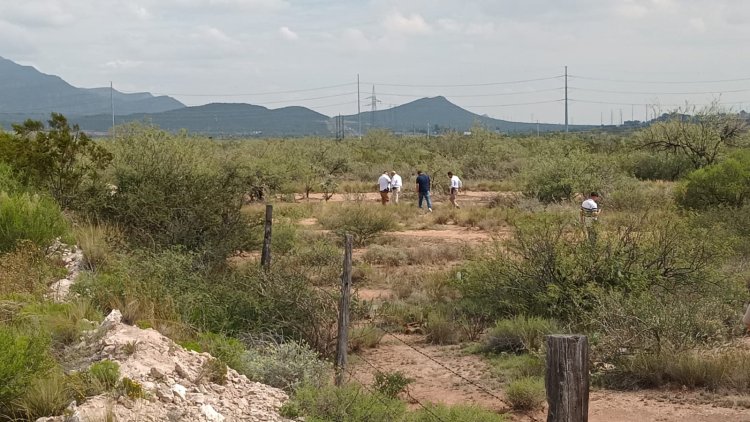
434	383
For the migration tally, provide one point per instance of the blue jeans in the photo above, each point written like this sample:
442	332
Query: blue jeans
425	196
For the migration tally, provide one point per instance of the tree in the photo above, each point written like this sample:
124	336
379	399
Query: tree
701	137
59	158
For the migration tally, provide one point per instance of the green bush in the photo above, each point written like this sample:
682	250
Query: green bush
24	357
348	403
363	221
287	366
520	334
176	190
364	337
460	413
106	373
47	396
526	393
214	370
441	330
661	166
724	184
29	217
513	367
728	370
391	384
228	350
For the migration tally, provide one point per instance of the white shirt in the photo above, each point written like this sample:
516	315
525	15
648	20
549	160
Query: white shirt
589	206
396	181
384	182
455	182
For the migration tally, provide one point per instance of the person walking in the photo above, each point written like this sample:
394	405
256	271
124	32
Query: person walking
456	184
384	186
423	189
396	183
590	212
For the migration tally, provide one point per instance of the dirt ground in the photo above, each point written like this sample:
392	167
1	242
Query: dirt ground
426	364
434	383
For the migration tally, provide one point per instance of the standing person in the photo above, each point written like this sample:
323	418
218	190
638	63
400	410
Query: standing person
396	183
590	215
423	189
455	186
384	186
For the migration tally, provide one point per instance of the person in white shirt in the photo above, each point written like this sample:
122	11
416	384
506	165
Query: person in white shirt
455	186
395	186
384	186
590	211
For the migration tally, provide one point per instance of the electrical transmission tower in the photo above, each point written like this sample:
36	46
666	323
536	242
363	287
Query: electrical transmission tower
373	107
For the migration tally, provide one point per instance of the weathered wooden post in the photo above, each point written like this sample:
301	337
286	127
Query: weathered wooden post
567	378
265	257
346	289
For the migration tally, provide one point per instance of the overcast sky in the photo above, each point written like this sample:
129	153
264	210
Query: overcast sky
202	51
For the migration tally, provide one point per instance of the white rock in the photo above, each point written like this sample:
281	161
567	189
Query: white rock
211	414
115	317
180	390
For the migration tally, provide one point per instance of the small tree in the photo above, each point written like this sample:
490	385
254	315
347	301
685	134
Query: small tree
59	158
700	136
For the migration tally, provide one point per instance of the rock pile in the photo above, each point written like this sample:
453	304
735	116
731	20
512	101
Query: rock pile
175	381
72	258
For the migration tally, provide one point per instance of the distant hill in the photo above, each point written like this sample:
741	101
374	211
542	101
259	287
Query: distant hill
440	114
224	119
26	92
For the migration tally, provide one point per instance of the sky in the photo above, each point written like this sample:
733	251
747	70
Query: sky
504	58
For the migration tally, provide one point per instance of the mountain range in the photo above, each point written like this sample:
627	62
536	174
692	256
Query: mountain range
27	93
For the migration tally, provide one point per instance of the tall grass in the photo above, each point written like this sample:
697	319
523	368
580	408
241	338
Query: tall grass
25	216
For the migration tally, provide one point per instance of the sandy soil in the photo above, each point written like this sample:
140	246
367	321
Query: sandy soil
434	383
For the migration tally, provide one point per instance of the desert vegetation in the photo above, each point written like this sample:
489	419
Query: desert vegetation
171	226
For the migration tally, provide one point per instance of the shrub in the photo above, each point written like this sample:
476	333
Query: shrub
175	190
287	366
24	357
46	396
459	413
31	217
227	349
25	270
513	367
365	337
214	370
63	321
724	184
662	166
441	330
391	384
363	222
348	403
99	243
133	389
526	393
385	255
520	334
106	373
727	370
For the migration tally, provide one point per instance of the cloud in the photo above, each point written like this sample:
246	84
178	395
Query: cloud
698	23
227	5
450	25
122	64
36	13
412	24
288	34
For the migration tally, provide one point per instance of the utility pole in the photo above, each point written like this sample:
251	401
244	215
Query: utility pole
566	99
611	117
359	112
632	112
537	128
620	117
373	107
112	105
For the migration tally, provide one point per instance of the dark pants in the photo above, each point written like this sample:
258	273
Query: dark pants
425	196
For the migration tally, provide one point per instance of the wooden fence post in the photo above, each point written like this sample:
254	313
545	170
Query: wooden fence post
265	257
346	289
567	378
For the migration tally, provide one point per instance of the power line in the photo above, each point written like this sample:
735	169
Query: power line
293	91
591	78
465	85
657	104
477	95
660	93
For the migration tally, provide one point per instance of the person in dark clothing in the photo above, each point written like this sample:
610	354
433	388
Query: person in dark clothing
423	189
